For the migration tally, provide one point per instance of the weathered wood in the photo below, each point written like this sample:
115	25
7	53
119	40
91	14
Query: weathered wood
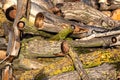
14	34
109	5
46	4
92	59
94	73
48	22
9	7
79	11
3	44
78	31
37	46
66	49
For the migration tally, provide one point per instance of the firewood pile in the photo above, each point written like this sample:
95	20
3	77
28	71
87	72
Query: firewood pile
43	39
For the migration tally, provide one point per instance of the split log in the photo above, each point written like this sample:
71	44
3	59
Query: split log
79	11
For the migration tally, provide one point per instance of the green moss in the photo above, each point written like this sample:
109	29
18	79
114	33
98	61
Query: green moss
62	34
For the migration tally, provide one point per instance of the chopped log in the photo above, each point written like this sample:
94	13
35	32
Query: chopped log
37	47
9	7
92	59
86	30
79	11
41	48
54	24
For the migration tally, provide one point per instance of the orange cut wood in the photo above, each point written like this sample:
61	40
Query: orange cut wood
2	54
116	14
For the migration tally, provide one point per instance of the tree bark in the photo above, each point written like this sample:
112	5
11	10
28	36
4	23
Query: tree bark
68	51
49	48
26	59
3	44
94	73
79	11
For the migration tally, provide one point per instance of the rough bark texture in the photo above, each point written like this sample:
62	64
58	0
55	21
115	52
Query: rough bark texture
37	47
34	48
66	49
86	14
26	59
94	73
104	72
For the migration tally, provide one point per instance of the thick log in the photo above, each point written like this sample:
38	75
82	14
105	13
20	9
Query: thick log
78	31
53	23
93	59
94	73
51	49
79	11
48	22
9	7
37	47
